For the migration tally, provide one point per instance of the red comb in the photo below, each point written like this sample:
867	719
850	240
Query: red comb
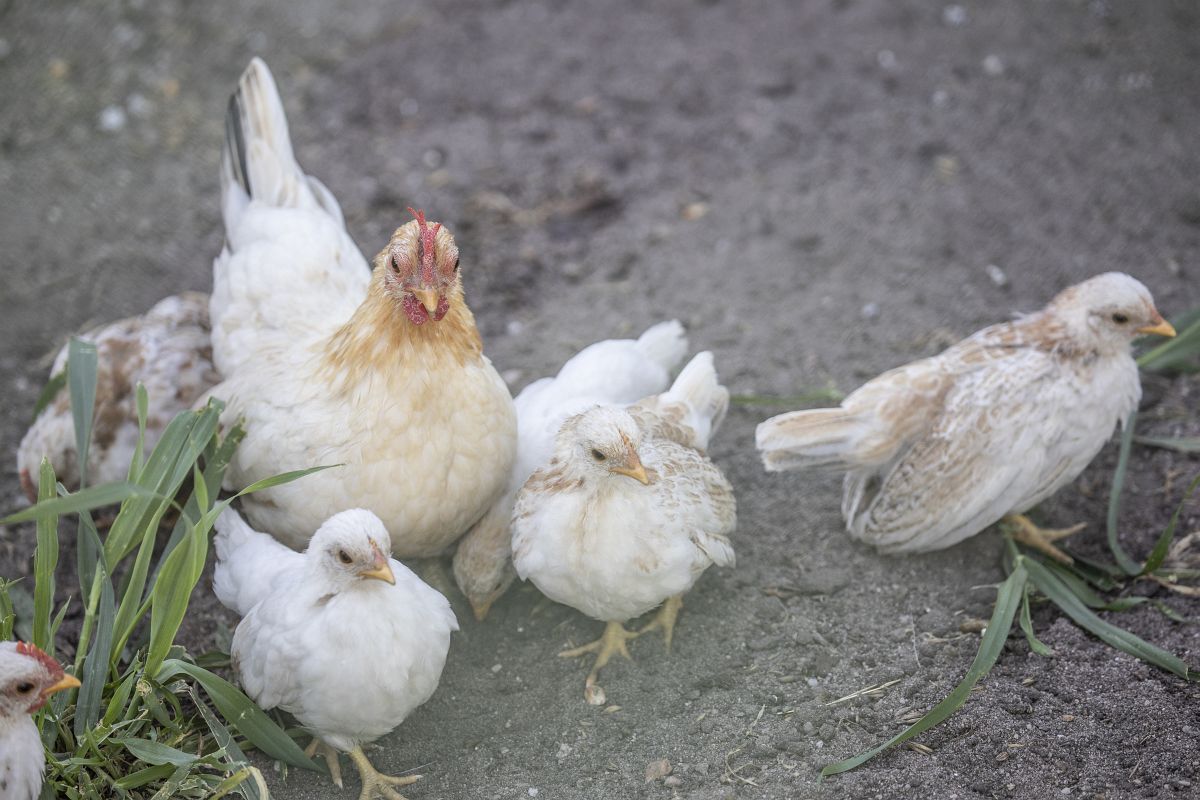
36	653
428	237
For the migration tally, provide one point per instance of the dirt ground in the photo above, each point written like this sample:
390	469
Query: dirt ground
819	191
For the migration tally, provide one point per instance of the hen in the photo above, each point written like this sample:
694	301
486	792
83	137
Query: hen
612	371
629	511
347	640
328	362
167	349
939	449
27	679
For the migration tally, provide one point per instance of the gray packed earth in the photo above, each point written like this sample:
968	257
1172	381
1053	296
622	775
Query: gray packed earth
819	191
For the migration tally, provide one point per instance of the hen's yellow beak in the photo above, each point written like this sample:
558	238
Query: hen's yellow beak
633	469
66	682
429	299
380	569
1160	328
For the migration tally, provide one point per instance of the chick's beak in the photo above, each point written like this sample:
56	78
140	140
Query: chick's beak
634	469
1159	327
482	607
429	299
65	682
380	569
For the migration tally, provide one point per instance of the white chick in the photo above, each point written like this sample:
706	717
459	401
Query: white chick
629	511
345	639
27	679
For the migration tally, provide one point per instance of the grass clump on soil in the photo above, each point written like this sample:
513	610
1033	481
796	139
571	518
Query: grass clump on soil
1076	589
142	723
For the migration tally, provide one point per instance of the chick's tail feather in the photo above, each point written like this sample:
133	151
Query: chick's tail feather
699	388
257	162
247	561
665	344
818	438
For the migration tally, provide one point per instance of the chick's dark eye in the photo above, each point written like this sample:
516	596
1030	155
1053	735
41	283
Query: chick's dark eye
25	687
596	454
1120	318
344	557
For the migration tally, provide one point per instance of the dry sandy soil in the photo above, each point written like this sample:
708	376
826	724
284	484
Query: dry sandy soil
817	190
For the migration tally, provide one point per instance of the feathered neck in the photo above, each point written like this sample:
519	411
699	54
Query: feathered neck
380	339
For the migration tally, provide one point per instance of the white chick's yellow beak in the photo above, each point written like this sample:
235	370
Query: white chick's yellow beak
65	682
429	299
1159	327
380	569
633	468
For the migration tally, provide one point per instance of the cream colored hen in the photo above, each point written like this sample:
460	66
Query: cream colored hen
329	362
939	449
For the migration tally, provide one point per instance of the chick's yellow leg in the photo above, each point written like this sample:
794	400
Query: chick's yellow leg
608	645
668	612
374	783
1023	530
331	758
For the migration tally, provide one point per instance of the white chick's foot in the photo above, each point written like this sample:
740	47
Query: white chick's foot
611	643
668	612
374	783
1022	529
331	759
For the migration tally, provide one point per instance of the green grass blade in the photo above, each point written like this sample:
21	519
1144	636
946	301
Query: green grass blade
1035	644
241	712
84	500
45	560
139	453
49	393
828	395
89	550
282	478
1183	444
144	776
1008	597
1126	563
81	382
172	592
94	676
251	790
1049	584
156	753
1163	545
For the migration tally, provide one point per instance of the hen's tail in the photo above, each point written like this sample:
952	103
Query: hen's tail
821	437
665	344
699	389
257	162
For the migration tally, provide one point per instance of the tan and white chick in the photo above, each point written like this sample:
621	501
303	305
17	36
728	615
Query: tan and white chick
937	450
629	511
167	349
27	679
344	638
329	362
613	371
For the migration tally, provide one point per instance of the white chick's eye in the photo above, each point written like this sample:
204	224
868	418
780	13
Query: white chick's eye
344	557
1120	318
596	454
25	687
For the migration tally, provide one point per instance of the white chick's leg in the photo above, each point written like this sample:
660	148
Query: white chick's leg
608	645
1023	530
375	783
668	612
331	758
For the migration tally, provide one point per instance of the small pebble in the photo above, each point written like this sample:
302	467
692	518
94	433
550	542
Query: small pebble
673	781
514	327
533	791
993	65
112	119
496	668
886	59
997	275
138	105
940	98
954	15
870	311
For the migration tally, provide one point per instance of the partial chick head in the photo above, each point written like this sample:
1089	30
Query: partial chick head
420	269
1109	311
602	442
27	679
482	577
351	546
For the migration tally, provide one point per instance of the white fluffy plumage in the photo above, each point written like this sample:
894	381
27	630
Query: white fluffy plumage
27	678
613	371
329	362
939	449
167	349
347	640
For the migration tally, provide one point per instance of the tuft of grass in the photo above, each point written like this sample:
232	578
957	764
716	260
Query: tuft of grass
140	725
1074	590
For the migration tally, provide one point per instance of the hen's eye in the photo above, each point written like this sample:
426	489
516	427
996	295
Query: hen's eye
596	454
1120	318
25	687
344	557
456	265
395	265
